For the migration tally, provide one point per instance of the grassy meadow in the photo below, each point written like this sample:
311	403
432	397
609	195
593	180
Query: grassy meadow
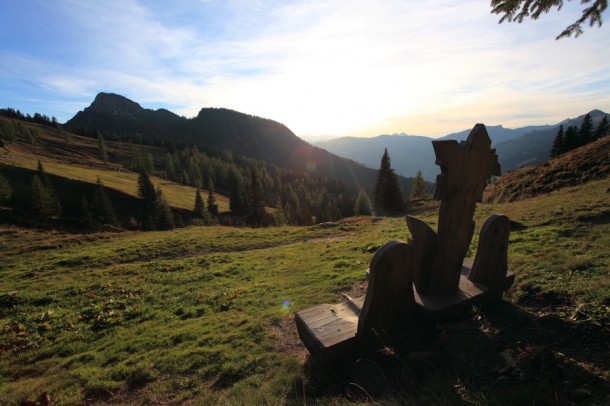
203	315
177	195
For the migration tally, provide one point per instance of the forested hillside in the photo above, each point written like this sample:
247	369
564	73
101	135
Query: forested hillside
243	186
118	118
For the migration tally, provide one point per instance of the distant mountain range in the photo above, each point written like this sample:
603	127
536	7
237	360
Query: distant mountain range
349	159
409	153
240	133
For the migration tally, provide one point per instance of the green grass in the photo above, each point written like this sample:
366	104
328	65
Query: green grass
178	196
188	315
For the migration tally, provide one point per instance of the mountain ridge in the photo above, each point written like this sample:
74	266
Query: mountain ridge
244	134
517	147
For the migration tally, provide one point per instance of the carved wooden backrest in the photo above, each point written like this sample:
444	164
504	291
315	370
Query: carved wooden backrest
389	302
491	261
465	169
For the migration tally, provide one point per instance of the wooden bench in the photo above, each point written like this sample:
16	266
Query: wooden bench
426	274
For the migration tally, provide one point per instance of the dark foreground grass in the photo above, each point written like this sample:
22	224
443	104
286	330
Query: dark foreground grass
195	315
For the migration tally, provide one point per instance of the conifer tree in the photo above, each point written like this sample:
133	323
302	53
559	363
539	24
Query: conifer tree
571	138
199	208
363	205
51	200
257	210
602	128
558	143
102	149
237	199
212	206
585	133
170	171
148	196
163	216
101	206
388	193
418	186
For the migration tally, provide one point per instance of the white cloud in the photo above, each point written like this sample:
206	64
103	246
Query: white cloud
341	67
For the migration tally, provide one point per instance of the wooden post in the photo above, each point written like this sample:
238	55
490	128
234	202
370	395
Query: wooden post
465	169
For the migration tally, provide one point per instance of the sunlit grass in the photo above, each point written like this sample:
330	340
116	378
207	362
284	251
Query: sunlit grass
185	316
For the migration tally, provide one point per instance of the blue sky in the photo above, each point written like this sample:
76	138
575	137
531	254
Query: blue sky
323	68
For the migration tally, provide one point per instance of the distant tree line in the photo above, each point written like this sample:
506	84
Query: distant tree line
574	137
37	118
297	197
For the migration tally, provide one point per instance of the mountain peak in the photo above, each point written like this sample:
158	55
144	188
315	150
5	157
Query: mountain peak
114	104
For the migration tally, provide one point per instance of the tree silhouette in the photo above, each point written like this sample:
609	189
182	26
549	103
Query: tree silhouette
148	196
602	128
258	214
101	206
212	206
237	203
388	193
102	149
199	208
163	216
46	196
418	186
585	133
558	143
363	205
518	10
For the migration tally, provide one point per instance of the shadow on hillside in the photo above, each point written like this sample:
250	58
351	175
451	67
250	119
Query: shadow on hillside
499	355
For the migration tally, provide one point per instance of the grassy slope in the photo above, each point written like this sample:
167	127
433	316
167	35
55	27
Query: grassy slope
590	162
194	314
77	159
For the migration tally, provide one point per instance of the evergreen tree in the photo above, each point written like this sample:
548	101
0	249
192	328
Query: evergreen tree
184	178
418	186
602	128
199	208
280	216
101	206
42	201
102	149
558	143
571	138
6	192
585	133
236	198
51	199
163	216
7	132
388	193
257	215
148	196
212	206
170	171
363	205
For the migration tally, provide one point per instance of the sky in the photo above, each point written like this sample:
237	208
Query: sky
324	68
